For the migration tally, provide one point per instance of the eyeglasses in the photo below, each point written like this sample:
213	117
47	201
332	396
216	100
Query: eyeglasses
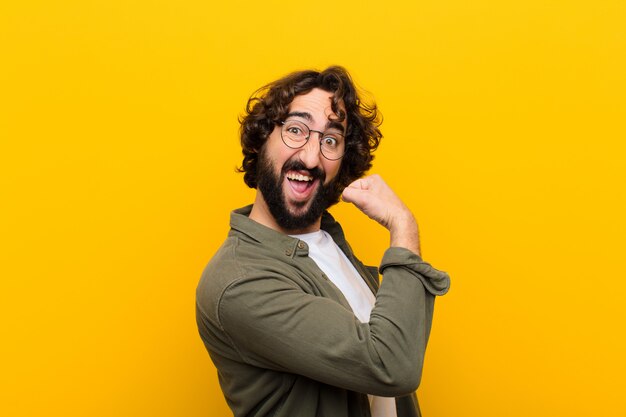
296	134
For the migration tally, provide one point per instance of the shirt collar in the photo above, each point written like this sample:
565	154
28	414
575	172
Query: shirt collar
241	222
291	247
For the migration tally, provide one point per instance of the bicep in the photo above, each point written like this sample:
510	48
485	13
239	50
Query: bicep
276	325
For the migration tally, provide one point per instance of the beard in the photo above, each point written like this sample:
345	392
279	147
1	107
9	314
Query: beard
270	185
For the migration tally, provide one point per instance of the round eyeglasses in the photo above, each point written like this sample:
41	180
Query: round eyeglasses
296	134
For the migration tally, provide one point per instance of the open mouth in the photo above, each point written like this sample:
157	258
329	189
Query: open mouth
301	184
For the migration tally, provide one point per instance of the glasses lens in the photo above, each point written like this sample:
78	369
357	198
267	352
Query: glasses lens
294	133
332	145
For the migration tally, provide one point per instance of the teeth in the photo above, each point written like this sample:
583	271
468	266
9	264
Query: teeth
299	177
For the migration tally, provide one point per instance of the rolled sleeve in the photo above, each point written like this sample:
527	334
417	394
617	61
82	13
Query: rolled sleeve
436	282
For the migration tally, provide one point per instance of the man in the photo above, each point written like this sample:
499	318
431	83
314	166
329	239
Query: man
295	324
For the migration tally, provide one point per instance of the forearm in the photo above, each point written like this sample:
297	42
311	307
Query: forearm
404	233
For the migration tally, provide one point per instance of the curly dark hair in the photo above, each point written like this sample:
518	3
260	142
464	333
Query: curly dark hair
269	106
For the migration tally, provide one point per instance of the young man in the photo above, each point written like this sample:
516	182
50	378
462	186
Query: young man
295	324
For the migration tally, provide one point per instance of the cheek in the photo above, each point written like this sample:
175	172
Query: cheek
277	153
332	169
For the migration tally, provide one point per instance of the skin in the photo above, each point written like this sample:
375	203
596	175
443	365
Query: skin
375	198
370	194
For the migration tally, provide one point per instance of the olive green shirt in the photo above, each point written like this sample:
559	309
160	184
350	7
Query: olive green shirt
284	339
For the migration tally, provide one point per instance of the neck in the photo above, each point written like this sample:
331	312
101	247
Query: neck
261	214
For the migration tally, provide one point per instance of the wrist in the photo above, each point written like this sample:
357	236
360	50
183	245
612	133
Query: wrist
403	222
404	233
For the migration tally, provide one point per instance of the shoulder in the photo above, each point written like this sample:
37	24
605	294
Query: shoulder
243	263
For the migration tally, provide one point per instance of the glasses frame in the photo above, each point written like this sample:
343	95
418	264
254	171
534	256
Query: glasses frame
282	124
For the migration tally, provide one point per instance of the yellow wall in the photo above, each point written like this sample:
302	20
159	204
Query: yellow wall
504	131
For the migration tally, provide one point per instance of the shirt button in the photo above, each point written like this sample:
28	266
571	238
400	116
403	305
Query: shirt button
300	245
288	252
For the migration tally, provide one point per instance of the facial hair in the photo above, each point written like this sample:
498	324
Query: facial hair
270	184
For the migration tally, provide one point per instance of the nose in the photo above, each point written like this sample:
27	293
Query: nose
310	153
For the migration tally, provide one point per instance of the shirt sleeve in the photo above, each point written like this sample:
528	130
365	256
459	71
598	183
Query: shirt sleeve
274	324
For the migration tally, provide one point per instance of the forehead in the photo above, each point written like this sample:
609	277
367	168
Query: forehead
317	103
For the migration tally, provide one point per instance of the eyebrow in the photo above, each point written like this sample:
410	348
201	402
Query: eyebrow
304	115
331	124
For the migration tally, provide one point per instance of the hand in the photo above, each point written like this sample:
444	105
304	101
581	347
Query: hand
377	200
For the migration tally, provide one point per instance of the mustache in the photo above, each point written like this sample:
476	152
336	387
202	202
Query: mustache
296	165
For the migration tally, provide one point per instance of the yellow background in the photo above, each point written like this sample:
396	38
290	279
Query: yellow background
504	132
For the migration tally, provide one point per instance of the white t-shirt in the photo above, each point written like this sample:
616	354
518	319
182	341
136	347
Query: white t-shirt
335	264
